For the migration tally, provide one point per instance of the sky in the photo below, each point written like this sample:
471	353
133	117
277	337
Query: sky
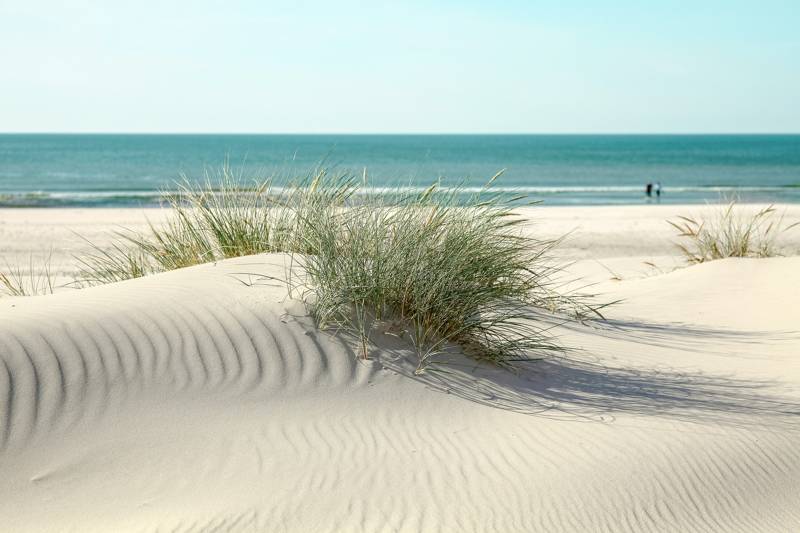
468	66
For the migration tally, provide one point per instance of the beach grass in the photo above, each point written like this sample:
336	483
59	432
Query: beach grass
119	261
442	266
233	219
731	231
225	216
16	280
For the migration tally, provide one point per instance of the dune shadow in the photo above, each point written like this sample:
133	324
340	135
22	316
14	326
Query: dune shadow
686	337
585	386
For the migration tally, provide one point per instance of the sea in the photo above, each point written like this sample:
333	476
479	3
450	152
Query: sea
121	170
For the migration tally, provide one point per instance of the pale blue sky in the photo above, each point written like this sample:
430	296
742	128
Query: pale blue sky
456	66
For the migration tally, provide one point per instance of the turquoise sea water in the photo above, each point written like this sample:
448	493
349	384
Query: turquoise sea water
131	170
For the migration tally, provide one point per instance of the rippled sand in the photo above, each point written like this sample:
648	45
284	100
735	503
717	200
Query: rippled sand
204	400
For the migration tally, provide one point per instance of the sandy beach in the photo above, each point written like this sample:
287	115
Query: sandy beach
604	241
204	399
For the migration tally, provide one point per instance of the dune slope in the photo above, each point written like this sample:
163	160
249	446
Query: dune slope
204	400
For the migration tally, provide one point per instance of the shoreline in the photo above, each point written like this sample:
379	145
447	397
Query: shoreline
789	196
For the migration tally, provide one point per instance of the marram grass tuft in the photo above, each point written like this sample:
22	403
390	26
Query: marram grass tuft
730	232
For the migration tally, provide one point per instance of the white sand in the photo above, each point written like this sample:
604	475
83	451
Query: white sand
191	401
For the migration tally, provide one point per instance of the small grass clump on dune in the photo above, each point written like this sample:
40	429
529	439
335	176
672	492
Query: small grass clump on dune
19	281
444	270
120	261
731	232
130	255
225	216
230	216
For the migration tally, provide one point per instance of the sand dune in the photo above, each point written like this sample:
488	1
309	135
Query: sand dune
199	401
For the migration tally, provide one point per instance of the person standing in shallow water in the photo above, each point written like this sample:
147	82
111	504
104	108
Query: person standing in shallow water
658	190
648	189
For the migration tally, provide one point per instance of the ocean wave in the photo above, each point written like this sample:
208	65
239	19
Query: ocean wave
80	199
152	198
568	189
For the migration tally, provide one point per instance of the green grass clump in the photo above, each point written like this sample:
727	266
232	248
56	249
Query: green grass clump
226	216
122	260
231	220
179	243
730	232
444	270
18	281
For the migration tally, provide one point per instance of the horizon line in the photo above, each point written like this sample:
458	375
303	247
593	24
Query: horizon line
533	133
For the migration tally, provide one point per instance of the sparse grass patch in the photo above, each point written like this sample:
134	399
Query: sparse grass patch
231	219
730	232
18	281
226	216
120	261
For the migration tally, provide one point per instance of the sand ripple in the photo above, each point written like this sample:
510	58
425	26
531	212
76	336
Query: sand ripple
193	402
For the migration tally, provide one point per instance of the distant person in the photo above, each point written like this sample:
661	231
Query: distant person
658	190
648	190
